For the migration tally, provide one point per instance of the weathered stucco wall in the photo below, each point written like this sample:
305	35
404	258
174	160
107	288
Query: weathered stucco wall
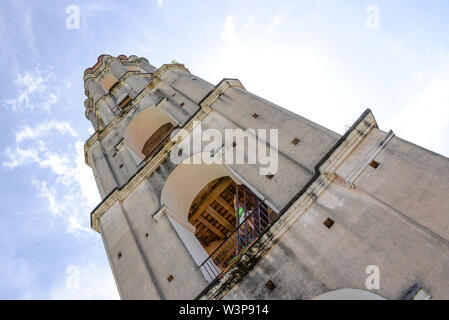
150	251
142	203
394	216
398	224
414	181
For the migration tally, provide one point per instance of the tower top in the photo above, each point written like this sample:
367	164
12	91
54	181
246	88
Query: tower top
100	60
111	80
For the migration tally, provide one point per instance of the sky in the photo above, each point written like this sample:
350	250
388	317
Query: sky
325	60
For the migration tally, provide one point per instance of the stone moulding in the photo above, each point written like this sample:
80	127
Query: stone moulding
159	214
364	164
93	72
324	176
173	66
88	104
352	140
224	85
119	194
101	64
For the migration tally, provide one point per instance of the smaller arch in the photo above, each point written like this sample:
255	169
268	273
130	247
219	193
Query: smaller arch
146	131
153	144
348	294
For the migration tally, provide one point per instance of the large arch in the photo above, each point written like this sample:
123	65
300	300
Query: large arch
179	191
186	181
142	128
214	214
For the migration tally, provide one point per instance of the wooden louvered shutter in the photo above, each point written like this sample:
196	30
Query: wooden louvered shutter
153	144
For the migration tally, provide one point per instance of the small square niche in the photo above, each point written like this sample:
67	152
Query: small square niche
328	223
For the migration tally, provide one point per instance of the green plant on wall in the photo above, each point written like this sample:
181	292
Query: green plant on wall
174	61
237	258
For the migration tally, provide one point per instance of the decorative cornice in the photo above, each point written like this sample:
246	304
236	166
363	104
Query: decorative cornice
95	66
219	89
365	163
88	104
102	59
120	145
102	66
172	66
351	140
158	215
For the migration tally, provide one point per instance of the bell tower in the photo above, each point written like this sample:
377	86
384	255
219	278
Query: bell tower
169	228
183	218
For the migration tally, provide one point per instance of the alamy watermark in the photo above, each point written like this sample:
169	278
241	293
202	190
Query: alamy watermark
236	146
373	17
72	22
373	280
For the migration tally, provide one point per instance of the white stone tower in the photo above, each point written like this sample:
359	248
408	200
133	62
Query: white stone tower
333	206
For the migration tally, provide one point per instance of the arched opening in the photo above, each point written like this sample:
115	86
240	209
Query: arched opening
217	217
155	142
212	213
148	132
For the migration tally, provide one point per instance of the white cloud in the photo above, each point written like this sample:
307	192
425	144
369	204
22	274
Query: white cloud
42	129
34	93
37	151
48	193
73	193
